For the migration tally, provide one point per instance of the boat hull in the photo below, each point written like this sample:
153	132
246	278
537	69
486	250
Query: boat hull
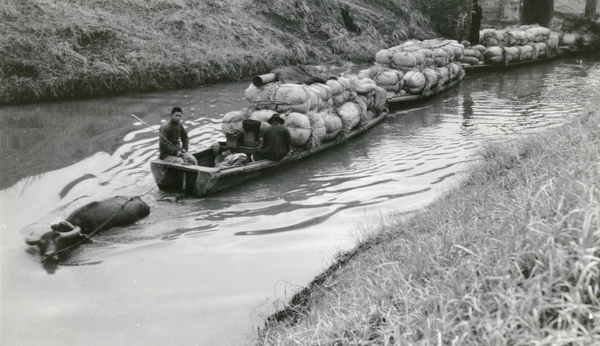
199	181
499	67
397	101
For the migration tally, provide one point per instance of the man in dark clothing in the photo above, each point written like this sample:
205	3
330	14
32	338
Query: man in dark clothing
276	142
476	16
171	149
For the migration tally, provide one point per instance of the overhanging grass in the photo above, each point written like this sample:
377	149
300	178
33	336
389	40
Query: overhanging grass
511	258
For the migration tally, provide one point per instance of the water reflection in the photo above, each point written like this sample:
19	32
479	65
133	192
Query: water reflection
205	258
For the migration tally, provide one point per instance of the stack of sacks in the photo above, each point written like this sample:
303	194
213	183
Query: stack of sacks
283	97
416	67
313	112
372	95
531	41
570	39
232	121
343	90
332	122
473	55
351	114
417	55
518	38
494	55
415	82
295	102
432	79
553	41
511	54
538	33
387	79
540	50
493	38
390	80
299	126
324	92
525	52
588	39
401	60
578	40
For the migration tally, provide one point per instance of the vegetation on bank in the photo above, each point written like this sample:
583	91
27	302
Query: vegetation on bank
81	48
510	258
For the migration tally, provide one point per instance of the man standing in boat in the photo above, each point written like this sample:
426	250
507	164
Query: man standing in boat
173	140
476	16
276	142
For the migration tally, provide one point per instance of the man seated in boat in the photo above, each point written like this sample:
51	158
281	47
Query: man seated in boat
276	141
173	140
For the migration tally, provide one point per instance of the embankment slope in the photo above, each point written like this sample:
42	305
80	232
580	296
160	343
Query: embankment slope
72	48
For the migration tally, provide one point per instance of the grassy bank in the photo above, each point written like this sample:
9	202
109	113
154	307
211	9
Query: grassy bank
510	258
80	48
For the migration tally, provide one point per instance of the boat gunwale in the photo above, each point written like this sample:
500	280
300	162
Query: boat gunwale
264	164
485	67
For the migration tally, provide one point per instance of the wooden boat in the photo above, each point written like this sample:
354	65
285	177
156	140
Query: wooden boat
395	101
497	67
207	178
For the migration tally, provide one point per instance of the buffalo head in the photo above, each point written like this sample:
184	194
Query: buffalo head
52	244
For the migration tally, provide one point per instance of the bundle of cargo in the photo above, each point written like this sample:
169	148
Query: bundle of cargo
416	55
283	97
570	40
343	90
553	42
473	55
493	38
494	55
588	40
332	122
401	60
511	54
316	106
519	36
372	95
540	50
505	46
417	67
539	33
575	40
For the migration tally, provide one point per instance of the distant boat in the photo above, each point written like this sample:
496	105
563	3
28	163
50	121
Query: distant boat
498	67
207	178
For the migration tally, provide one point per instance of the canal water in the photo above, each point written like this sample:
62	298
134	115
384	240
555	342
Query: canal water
209	271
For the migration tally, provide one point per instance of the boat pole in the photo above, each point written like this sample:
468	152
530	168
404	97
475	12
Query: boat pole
154	130
173	145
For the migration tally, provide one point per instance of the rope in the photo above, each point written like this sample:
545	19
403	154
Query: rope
89	236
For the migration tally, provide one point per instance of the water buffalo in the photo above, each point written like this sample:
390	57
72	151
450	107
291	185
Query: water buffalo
90	218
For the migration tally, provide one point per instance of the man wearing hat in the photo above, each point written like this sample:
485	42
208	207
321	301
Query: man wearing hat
276	142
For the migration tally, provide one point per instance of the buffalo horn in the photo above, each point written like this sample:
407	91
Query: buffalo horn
62	223
32	241
66	235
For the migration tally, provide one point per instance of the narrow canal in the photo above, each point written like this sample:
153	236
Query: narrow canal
208	271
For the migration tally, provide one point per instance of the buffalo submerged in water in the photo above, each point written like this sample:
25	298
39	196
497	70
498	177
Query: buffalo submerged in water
86	221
